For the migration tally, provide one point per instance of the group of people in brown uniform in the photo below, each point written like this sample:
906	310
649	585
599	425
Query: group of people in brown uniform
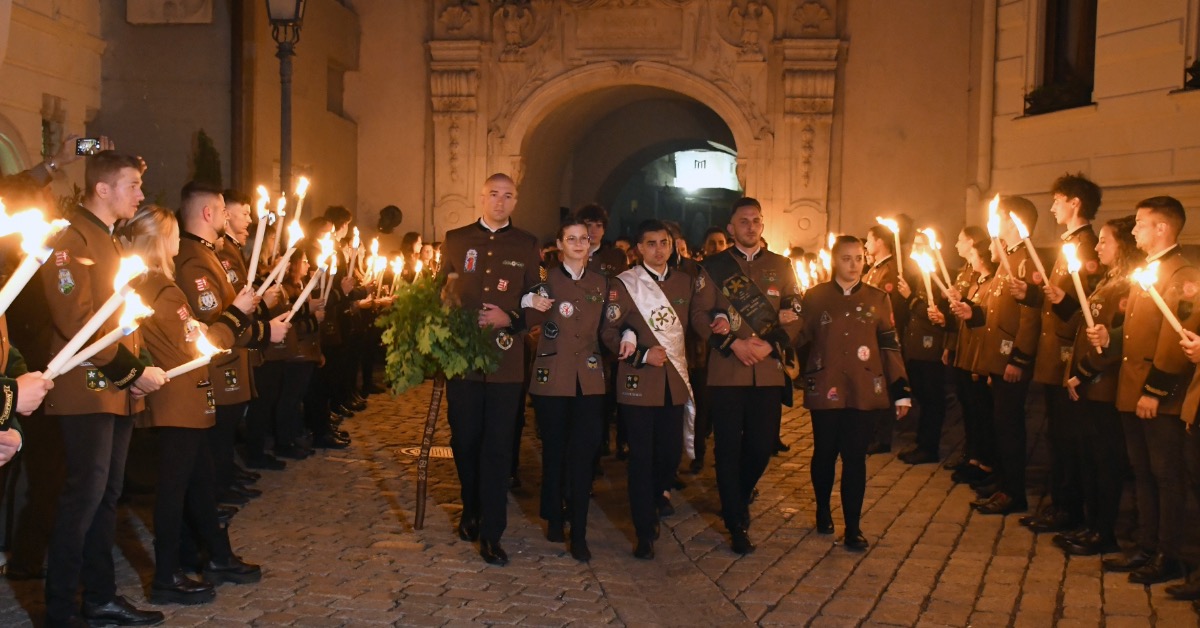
197	284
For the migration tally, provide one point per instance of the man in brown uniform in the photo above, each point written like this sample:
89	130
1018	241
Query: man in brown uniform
885	274
1076	200
645	325
206	282
93	401
1006	355
745	376
496	264
922	343
1150	393
854	372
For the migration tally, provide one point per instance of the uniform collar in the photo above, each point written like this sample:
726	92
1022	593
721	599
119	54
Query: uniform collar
187	235
1162	254
567	271
748	256
233	240
483	226
88	215
847	291
1066	237
657	277
1013	249
880	262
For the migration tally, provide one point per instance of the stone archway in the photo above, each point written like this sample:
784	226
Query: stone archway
766	69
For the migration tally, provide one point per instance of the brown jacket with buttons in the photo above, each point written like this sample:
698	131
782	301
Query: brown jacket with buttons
968	339
1011	328
497	268
776	279
568	352
1098	372
77	280
638	383
1057	335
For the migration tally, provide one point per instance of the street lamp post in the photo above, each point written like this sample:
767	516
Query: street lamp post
285	16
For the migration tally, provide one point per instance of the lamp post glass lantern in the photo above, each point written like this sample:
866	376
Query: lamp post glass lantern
285	17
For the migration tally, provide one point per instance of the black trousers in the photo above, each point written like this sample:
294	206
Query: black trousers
846	434
185	485
704	426
222	438
268	379
928	381
36	487
745	431
1009	415
481	435
1063	433
289	410
655	445
1100	454
979	425
1156	453
81	543
570	428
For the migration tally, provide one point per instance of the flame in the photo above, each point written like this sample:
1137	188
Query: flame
831	239
931	235
826	259
1021	230
417	268
398	265
280	204
333	262
264	197
326	244
890	223
295	234
33	228
923	261
802	274
1147	276
380	265
134	311
207	348
356	242
130	268
993	225
1073	264
302	187
374	246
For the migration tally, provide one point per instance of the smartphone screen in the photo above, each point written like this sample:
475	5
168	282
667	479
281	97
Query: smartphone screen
87	146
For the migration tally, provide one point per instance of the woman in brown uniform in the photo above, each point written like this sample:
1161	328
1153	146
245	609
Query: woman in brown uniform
293	362
568	383
182	412
1092	387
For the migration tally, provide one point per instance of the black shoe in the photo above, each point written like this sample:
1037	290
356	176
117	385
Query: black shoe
119	612
665	509
342	411
246	491
878	448
1128	562
232	569
740	541
918	456
1053	521
182	590
492	553
824	521
580	551
958	462
1159	569
968	475
1189	590
330	441
225	513
1002	504
244	476
987	491
233	498
1091	544
781	448
357	405
855	542
990	479
753	496
644	549
468	529
266	461
295	452
554	533
1070	536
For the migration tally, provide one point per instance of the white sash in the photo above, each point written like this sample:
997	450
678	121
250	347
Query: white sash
658	313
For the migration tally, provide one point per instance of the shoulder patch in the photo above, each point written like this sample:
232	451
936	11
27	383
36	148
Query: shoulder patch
202	283
208	300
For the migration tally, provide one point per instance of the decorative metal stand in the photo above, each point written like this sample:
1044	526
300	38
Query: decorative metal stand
435	402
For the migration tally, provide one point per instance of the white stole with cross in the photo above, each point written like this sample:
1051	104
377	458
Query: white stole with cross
660	316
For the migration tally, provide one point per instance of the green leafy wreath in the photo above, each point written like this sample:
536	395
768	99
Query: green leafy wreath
425	337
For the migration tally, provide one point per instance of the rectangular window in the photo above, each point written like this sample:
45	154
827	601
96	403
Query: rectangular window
335	88
1068	58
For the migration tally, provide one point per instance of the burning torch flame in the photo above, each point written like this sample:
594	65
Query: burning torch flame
416	268
302	187
130	268
33	228
1147	276
205	347
1021	230
374	246
295	234
398	266
923	261
826	259
832	239
264	197
890	223
356	242
931	235
1073	263
380	265
993	225
133	312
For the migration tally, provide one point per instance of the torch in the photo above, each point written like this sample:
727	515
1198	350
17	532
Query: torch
1147	277
931	236
35	231
131	268
131	318
994	231
894	227
1024	233
301	192
295	233
207	351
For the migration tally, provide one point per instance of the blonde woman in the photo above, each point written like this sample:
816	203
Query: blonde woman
181	413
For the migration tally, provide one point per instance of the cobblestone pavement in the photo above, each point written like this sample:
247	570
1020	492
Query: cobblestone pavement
335	536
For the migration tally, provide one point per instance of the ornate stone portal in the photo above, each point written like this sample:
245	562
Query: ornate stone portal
767	68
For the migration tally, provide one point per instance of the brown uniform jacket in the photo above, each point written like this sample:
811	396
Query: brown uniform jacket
1097	372
77	280
776	278
884	275
640	384
568	352
497	268
1058	335
854	360
608	261
1010	328
969	339
923	339
12	366
203	279
1152	362
187	400
302	343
